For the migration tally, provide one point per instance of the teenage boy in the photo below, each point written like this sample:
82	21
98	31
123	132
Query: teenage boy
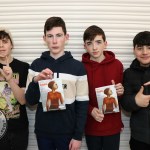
13	75
61	129
102	131
136	98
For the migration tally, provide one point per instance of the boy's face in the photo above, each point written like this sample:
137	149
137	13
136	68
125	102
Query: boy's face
142	53
55	40
95	48
5	47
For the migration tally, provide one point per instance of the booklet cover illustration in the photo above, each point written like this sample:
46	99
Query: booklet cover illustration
107	99
52	95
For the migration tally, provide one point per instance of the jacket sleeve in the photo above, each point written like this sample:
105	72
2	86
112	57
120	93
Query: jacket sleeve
90	108
81	106
81	115
128	99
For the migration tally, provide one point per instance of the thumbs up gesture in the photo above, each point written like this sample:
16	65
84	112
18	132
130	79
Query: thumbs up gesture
141	99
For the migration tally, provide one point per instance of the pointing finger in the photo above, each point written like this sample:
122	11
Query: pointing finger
7	62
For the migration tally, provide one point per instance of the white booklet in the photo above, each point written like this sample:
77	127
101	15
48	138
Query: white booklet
52	94
107	99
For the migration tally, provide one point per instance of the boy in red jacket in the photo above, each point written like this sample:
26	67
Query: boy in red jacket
102	131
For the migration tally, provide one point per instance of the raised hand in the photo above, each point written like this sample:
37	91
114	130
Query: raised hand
141	99
119	88
43	75
7	71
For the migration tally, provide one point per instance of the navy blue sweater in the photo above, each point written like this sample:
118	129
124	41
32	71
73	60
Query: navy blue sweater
71	121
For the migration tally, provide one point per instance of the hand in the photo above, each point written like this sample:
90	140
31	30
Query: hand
141	99
43	75
7	71
147	83
97	114
119	88
74	145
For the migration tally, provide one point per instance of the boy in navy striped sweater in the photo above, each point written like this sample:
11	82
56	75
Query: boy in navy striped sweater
61	129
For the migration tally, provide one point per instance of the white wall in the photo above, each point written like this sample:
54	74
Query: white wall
120	19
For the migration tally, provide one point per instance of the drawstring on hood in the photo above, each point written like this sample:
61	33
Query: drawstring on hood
93	66
46	57
109	56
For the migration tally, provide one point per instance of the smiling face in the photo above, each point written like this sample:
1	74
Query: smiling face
142	53
141	44
95	48
55	40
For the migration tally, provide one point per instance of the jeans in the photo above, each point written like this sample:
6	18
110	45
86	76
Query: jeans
53	143
137	145
111	142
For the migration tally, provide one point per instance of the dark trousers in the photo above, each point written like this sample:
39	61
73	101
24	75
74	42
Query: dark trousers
15	140
50	143
137	145
103	142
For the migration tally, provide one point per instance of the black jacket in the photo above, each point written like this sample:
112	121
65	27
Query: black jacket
134	78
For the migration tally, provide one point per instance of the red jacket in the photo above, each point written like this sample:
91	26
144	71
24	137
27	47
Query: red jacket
101	74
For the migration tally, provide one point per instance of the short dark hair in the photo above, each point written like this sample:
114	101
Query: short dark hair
5	34
106	91
91	32
141	39
50	84
54	22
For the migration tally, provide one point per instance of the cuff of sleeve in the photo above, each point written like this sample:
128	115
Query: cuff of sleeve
90	110
135	106
78	136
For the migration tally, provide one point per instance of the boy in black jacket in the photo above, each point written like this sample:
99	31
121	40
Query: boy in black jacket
136	97
60	129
